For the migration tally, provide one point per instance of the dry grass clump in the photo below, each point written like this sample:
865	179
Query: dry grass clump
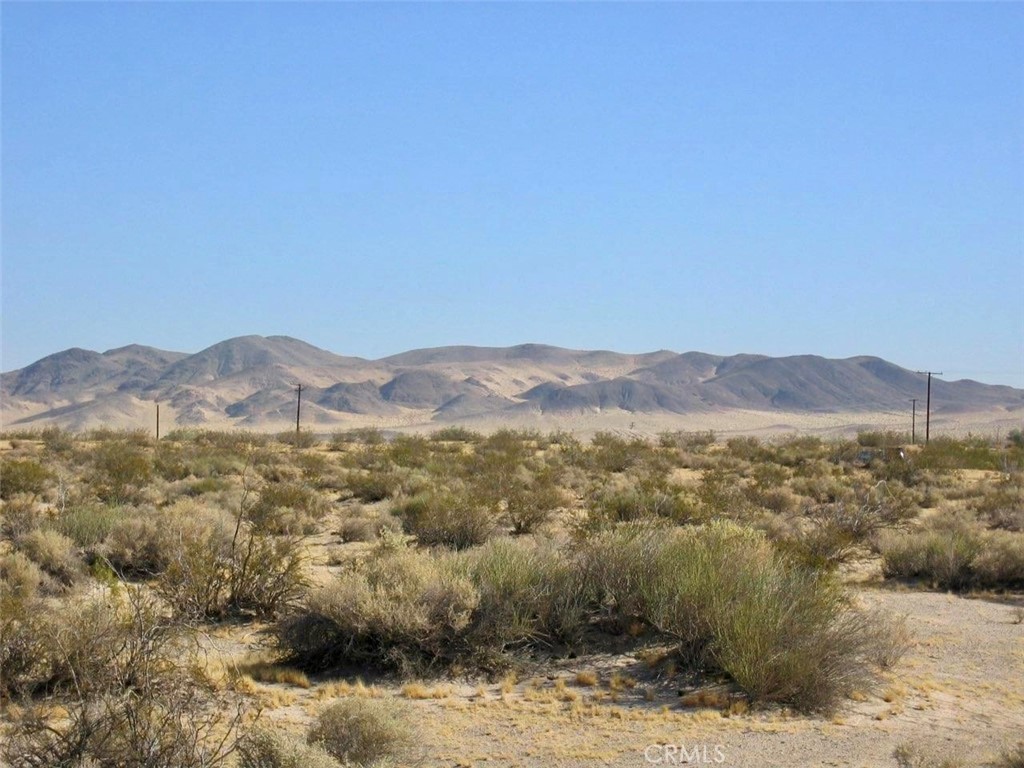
271	748
266	672
402	609
53	552
363	732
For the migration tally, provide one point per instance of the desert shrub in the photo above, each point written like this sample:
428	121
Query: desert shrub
822	489
611	453
1002	504
57	441
374	484
265	574
719	494
20	577
1000	563
141	543
314	466
953	554
748	448
361	732
527	496
271	748
527	594
121	469
124	693
449	517
23	476
287	508
23	654
88	525
456	435
942	557
411	451
301	439
694	442
19	516
646	498
945	453
53	552
216	566
358	528
361	435
782	633
825	535
881	438
402	609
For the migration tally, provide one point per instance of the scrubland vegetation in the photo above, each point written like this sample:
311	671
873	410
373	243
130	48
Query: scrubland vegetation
458	555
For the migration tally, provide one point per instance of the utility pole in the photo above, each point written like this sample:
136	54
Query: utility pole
298	410
913	420
928	405
158	422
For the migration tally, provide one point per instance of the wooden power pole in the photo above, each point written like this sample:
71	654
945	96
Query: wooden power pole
913	420
298	411
928	405
158	422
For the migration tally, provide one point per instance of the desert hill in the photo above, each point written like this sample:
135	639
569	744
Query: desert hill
251	382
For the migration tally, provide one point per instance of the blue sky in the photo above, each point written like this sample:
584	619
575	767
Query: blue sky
833	179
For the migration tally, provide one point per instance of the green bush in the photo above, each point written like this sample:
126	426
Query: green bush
451	518
374	484
456	435
527	594
782	633
88	525
23	476
362	732
121	470
643	499
57	441
287	508
301	439
946	453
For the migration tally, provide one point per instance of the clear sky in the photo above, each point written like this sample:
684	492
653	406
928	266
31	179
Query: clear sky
833	179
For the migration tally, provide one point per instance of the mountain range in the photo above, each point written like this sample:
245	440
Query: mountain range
251	382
